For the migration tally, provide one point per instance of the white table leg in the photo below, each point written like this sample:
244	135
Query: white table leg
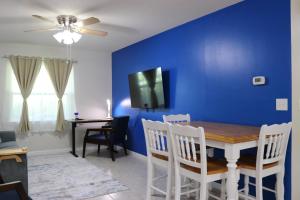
232	154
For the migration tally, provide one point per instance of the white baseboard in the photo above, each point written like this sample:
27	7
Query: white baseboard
79	151
137	155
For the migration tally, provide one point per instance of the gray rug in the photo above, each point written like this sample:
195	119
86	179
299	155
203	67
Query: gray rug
57	177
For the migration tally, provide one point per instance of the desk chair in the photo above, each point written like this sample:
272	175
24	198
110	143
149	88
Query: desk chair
109	136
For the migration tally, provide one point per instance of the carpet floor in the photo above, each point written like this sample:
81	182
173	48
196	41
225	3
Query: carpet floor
57	177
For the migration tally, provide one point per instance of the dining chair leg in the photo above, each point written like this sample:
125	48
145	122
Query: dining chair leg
99	148
246	186
223	189
259	188
280	186
177	185
83	149
207	191
203	190
150	171
169	183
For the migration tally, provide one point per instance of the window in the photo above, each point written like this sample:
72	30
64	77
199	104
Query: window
42	103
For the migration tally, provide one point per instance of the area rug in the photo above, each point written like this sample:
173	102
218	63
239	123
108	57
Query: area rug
57	177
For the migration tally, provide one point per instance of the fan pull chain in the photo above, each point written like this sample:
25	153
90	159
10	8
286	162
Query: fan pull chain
69	52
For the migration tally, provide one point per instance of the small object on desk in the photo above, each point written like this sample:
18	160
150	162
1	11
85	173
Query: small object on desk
76	115
108	109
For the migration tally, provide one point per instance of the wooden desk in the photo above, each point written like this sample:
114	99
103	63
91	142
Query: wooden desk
83	121
232	138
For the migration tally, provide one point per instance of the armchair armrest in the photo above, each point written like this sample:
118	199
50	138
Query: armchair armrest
12	154
14	151
7	136
17	186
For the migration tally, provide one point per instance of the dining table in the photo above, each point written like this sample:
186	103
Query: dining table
232	138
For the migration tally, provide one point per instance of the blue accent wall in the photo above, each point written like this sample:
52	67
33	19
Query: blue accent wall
211	62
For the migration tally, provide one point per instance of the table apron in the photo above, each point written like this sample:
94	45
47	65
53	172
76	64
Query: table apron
240	146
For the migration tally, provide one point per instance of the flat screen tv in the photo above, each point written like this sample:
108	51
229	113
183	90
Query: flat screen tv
146	89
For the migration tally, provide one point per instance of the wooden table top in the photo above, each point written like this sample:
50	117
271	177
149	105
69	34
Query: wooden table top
227	133
13	151
90	120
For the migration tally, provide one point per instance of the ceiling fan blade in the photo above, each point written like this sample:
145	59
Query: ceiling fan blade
43	18
88	21
92	32
43	29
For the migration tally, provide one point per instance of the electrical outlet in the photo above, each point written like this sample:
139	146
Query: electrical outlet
282	104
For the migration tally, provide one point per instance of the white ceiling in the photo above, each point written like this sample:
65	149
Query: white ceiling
127	21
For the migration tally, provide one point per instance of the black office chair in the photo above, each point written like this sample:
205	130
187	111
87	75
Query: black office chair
109	135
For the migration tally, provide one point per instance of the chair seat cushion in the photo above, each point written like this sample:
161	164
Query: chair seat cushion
214	166
162	157
11	144
100	129
249	162
97	136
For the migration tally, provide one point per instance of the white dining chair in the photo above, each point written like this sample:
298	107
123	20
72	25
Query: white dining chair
270	158
186	118
159	152
182	118
190	164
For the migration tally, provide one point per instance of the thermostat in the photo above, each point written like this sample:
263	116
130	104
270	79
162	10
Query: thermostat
258	80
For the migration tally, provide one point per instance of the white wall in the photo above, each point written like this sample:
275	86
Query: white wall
295	10
93	85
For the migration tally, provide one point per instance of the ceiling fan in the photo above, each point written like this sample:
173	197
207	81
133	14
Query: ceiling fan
70	28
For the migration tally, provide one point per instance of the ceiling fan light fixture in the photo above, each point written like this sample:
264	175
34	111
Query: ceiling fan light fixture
67	37
76	36
58	36
68	41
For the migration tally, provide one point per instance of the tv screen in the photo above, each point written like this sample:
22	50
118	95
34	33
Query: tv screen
146	89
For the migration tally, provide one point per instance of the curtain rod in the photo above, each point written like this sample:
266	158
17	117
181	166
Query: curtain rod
73	61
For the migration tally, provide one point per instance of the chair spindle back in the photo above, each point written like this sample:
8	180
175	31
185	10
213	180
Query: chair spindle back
157	138
273	141
184	140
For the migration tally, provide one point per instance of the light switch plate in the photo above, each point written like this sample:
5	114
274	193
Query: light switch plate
282	104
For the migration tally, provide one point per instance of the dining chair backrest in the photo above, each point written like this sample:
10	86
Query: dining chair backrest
173	119
157	137
184	140
272	145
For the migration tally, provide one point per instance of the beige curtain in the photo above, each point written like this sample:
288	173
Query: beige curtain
26	70
59	71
